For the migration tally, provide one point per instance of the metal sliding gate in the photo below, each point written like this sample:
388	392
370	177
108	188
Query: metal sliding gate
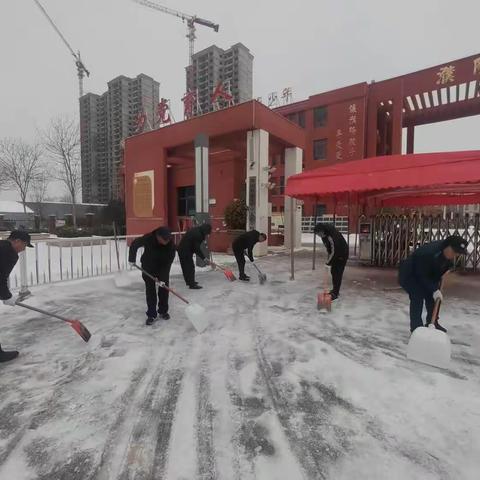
395	237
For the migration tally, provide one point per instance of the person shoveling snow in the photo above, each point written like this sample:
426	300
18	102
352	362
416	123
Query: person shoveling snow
9	250
156	260
245	242
421	273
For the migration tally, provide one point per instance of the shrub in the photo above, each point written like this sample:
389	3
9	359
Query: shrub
236	215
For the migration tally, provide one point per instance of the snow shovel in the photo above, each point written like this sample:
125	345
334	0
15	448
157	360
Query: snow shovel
262	278
195	313
429	345
77	325
120	278
324	299
227	272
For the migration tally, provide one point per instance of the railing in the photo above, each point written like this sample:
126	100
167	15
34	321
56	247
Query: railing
60	259
341	223
395	237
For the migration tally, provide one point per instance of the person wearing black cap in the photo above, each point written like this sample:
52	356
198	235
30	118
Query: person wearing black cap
157	259
191	244
421	273
337	250
245	242
9	250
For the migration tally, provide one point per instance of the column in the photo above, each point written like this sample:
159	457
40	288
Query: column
397	125
411	139
257	185
201	173
293	165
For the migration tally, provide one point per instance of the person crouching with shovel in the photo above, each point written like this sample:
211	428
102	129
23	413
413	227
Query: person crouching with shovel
245	243
157	259
421	273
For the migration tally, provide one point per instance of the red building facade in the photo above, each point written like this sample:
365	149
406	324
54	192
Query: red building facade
351	123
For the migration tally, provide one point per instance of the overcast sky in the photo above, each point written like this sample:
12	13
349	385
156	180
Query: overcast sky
310	45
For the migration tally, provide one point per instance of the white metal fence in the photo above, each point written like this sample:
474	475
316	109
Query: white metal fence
59	259
341	223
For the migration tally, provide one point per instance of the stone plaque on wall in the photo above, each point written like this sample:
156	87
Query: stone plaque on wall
143	194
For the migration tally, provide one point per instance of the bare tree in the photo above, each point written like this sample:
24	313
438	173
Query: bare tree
39	190
62	140
21	165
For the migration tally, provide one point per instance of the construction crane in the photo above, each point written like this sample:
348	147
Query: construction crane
81	69
190	19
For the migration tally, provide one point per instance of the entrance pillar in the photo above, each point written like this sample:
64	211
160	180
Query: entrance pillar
293	165
257	185
201	173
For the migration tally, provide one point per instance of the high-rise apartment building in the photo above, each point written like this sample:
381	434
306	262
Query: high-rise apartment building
105	120
213	65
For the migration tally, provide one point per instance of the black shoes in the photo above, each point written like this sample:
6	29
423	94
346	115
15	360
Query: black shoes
195	286
7	356
438	327
165	316
333	295
150	321
244	278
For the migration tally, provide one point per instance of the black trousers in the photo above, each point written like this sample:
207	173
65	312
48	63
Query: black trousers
188	267
418	297
240	257
152	294
337	269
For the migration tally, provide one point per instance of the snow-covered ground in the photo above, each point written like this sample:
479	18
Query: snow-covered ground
273	389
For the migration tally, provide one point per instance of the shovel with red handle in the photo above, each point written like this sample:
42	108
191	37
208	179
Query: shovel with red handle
77	325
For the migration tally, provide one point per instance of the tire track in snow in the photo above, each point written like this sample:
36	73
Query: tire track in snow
205	428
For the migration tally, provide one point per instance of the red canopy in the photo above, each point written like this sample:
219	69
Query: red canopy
396	180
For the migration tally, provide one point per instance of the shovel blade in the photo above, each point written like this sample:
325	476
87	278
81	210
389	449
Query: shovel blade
230	275
262	278
430	346
81	329
324	301
197	316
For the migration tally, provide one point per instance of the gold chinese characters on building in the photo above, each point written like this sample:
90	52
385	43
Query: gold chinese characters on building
446	75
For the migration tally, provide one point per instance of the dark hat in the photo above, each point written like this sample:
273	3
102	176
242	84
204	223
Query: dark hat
458	244
21	235
163	232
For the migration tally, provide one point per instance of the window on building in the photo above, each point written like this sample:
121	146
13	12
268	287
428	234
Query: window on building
186	201
274	208
301	119
320	115
282	208
282	185
320	149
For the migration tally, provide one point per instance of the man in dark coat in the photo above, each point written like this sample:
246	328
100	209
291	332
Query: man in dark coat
9	250
191	244
244	243
420	275
337	250
157	259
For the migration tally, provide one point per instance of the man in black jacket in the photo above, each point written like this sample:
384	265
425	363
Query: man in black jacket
420	275
337	250
157	259
191	244
9	250
246	241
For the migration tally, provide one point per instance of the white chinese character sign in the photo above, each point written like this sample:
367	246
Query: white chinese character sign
273	100
352	130
476	66
446	75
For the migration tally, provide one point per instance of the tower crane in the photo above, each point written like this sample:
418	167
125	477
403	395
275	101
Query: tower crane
191	20
81	69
